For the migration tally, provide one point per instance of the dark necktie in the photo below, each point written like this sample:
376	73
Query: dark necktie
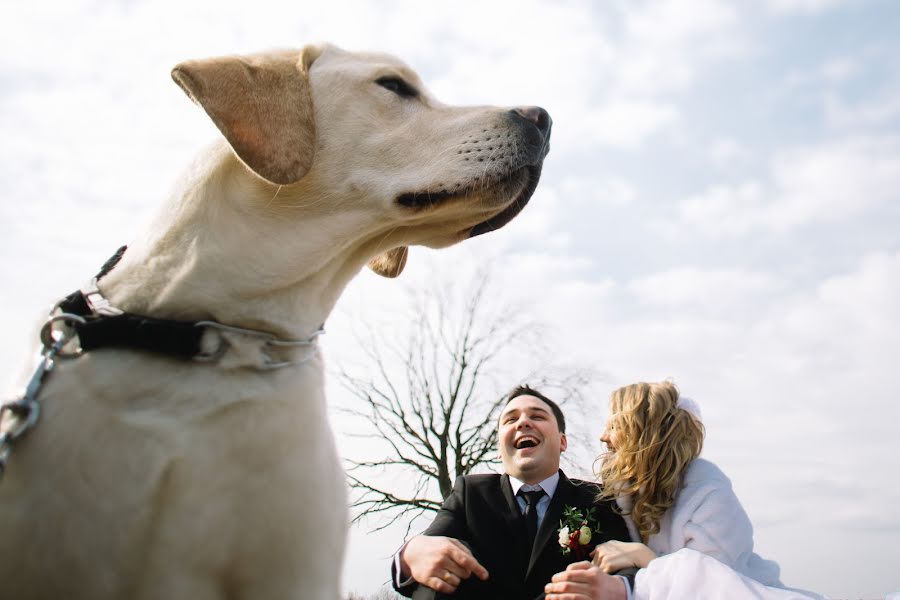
531	516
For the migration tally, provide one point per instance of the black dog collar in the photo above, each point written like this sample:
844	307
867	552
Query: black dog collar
104	326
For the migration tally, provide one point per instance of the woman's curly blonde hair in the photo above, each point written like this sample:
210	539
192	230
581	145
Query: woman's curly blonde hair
655	442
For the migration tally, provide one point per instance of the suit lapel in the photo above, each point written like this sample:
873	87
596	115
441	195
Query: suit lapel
512	505
549	525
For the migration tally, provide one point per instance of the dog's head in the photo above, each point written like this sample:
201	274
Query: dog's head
362	130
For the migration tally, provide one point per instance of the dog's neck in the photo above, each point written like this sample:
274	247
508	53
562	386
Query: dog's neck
225	249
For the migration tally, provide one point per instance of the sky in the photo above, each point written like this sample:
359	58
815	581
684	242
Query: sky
721	205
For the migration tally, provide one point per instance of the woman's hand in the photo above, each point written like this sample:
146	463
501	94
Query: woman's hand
584	581
613	556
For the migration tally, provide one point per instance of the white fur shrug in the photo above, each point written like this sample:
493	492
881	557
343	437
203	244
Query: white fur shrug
706	522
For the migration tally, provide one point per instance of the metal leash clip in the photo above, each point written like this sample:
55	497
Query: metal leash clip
18	416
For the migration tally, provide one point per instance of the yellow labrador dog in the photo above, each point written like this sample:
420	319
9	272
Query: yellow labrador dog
150	476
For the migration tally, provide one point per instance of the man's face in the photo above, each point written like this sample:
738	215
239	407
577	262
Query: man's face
529	439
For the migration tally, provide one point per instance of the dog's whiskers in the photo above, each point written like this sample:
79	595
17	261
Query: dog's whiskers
272	199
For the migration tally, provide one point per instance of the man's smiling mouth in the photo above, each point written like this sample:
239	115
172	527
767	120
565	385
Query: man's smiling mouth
526	441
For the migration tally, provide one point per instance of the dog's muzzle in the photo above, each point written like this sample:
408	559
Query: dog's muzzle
534	124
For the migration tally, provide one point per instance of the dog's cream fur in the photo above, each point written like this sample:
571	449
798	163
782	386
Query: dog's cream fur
152	478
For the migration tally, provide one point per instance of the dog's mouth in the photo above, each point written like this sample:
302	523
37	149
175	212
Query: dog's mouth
530	174
514	207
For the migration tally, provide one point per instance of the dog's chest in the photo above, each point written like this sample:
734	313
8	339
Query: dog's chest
141	460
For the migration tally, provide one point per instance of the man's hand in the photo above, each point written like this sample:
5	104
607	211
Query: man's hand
584	581
440	563
614	555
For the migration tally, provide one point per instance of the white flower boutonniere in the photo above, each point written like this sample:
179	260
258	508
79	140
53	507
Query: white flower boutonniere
564	537
576	529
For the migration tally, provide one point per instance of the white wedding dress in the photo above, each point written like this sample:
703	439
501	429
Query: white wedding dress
705	547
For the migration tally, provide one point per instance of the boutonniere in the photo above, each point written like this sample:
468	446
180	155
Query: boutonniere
576	530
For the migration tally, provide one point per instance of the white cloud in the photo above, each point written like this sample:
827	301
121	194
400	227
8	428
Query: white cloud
538	223
839	70
663	44
667	41
870	112
676	21
727	151
627	123
855	314
784	7
712	290
724	210
824	183
835	180
589	192
836	83
637	75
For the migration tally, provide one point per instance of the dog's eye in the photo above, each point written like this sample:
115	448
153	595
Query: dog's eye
398	86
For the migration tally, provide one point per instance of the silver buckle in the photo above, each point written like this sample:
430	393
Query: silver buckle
97	302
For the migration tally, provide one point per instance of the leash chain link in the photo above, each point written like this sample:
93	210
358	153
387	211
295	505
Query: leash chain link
18	416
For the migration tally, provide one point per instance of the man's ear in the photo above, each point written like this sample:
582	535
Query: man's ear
563	442
262	104
390	263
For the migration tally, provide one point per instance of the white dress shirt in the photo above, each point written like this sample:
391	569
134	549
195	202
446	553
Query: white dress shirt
548	486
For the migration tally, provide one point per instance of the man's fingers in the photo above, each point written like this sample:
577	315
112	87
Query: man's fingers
579	577
467	562
568	587
459	544
578	572
454	568
441	563
584	581
439	585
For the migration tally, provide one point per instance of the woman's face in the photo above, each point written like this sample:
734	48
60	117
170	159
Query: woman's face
610	434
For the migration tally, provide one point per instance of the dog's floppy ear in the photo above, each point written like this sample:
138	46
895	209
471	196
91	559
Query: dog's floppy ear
390	263
262	105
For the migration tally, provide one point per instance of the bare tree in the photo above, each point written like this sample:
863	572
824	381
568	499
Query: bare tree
430	399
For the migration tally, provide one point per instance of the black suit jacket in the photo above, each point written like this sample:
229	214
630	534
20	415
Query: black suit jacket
482	512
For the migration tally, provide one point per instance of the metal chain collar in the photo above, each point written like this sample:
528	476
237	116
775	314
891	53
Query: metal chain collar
224	337
19	416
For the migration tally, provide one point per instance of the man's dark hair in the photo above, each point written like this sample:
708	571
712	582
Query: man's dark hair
525	390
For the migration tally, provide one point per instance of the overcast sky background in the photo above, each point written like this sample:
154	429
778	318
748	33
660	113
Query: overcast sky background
721	205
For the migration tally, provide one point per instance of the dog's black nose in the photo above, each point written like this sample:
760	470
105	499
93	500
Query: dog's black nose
537	115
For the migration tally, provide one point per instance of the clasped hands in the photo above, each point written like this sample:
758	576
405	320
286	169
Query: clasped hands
442	563
592	580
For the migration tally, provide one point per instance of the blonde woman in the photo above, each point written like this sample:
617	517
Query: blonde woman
692	536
